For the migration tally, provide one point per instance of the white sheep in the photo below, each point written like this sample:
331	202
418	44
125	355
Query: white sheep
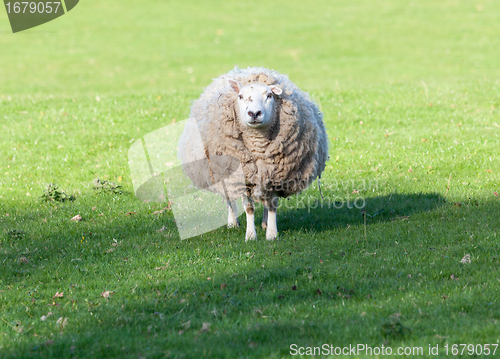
258	119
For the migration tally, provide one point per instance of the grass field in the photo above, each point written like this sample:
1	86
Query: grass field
410	92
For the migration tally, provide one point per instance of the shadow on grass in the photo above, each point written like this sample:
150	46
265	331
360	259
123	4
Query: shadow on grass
261	296
323	215
258	312
110	220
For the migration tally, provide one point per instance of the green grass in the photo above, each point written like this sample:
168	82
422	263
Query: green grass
410	93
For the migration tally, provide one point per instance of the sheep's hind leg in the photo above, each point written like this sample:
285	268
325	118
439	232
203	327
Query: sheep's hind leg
264	218
232	210
250	210
272	228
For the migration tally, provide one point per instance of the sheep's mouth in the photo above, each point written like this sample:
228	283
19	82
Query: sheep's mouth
254	123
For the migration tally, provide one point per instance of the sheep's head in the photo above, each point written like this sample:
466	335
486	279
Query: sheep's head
256	103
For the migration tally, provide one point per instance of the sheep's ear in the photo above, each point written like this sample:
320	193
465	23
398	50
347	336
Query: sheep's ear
276	90
235	85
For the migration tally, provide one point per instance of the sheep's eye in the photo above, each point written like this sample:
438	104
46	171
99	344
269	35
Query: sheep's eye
241	97
269	95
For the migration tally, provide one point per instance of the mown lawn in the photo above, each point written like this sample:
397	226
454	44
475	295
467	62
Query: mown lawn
410	93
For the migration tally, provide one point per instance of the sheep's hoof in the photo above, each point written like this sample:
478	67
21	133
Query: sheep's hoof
264	225
251	236
233	223
271	235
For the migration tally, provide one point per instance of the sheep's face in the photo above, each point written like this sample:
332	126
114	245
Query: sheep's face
256	103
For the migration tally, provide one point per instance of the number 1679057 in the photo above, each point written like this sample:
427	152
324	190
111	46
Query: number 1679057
32	7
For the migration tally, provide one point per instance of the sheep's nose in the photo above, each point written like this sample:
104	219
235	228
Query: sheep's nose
254	114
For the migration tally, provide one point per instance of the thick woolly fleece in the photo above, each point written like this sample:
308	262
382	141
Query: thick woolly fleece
283	160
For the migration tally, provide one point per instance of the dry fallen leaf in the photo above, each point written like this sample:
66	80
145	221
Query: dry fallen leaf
62	322
46	316
205	327
106	294
465	259
77	218
58	295
23	260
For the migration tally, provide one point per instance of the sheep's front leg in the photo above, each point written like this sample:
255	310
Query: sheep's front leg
264	218
250	210
232	209
272	228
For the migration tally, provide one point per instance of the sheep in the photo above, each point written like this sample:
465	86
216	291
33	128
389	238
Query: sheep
257	119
